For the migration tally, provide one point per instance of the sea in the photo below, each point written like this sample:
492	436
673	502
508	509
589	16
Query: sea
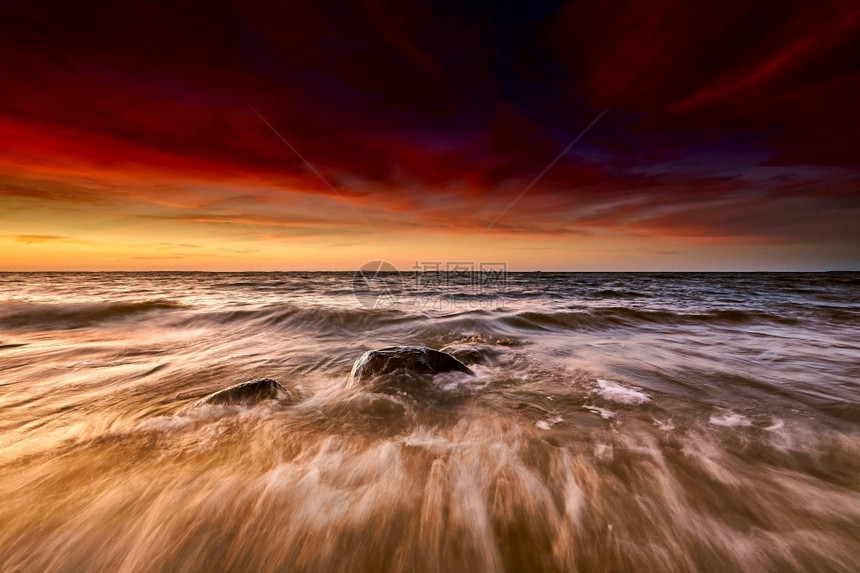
614	422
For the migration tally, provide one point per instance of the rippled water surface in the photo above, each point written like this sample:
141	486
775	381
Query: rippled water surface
616	422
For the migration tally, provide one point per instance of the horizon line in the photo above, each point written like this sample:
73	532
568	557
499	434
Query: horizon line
189	271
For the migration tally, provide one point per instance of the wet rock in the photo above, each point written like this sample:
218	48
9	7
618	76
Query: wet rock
423	373
409	362
250	392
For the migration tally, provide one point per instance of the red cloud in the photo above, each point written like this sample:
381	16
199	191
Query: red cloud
438	119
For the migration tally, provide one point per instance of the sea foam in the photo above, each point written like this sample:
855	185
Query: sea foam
622	394
730	420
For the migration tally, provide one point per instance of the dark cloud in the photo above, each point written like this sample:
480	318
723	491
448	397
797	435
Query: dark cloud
437	114
40	238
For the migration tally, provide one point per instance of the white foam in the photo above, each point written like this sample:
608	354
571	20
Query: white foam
602	412
666	426
776	426
164	423
548	424
730	420
604	453
460	381
622	394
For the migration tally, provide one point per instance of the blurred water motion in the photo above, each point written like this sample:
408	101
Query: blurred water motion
617	422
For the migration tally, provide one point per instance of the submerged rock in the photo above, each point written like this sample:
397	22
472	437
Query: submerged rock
250	392
409	361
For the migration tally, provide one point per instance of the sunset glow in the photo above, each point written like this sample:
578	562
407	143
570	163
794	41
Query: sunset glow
128	138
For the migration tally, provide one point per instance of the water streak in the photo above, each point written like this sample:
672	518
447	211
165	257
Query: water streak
620	422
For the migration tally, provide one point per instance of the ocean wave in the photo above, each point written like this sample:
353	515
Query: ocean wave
608	317
290	316
613	293
346	319
75	315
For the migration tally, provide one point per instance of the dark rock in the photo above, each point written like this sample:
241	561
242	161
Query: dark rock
408	360
250	392
426	376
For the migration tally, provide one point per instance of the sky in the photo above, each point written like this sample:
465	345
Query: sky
319	135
